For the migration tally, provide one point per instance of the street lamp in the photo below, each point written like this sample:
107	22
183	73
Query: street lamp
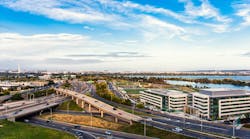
68	107
91	122
51	114
233	129
133	108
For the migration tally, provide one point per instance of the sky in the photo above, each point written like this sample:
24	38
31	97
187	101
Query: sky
122	35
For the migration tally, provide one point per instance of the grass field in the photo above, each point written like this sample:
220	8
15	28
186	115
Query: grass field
136	128
133	91
72	106
19	130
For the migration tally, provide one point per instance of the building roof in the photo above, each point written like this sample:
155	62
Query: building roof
224	92
165	92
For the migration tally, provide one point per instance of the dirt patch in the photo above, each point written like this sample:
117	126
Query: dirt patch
84	120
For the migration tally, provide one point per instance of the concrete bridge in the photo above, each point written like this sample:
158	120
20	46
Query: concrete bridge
92	104
22	108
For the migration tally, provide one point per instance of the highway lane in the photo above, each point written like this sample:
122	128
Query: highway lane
65	128
89	130
106	108
184	132
114	90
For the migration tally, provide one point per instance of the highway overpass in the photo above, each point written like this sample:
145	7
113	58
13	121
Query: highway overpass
14	110
102	107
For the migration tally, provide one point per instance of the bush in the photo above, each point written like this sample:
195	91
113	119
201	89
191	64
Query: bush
17	97
140	105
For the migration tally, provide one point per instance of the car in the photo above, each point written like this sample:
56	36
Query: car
108	132
114	108
227	122
96	101
26	120
16	112
120	113
48	121
177	129
77	126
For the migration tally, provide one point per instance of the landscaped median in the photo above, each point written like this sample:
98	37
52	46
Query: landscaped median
136	128
18	130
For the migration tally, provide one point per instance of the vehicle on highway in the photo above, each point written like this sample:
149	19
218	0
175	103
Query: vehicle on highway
227	122
77	126
114	108
177	129
120	113
108	132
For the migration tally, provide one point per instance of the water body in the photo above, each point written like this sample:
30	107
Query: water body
233	77
209	85
202	85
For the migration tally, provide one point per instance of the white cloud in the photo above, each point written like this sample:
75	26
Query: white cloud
205	10
243	11
58	10
43	45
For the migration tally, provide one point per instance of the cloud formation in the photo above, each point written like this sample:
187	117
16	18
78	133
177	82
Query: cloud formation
112	55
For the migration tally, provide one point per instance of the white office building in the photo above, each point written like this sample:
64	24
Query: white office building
169	100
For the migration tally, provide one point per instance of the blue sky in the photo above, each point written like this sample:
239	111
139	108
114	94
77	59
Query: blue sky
121	35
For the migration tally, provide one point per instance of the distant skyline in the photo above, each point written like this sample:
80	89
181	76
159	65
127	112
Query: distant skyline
121	35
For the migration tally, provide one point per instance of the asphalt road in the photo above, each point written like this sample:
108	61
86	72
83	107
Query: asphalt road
87	132
66	128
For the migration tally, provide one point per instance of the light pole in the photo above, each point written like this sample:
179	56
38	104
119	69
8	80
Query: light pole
145	127
133	108
233	129
51	114
68	107
91	122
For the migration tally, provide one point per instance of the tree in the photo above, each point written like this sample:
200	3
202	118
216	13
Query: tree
140	105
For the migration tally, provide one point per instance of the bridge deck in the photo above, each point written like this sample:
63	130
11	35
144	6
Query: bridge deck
102	106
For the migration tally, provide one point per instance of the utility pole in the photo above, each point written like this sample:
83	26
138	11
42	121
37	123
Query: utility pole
68	107
133	108
145	127
51	114
233	129
91	119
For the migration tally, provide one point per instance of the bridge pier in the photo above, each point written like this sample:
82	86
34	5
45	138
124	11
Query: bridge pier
89	107
101	114
12	119
83	103
77	101
130	122
116	119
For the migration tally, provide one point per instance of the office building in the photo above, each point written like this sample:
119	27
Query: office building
221	103
166	100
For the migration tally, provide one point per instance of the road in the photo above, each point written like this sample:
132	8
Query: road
106	108
114	90
66	128
22	108
87	132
